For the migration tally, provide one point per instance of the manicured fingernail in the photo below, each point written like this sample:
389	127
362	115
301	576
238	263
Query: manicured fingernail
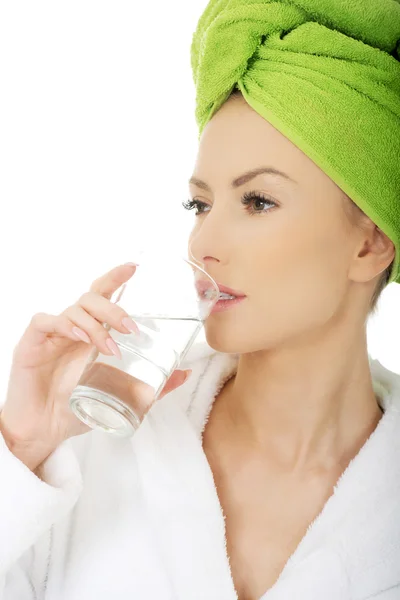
130	325
130	264
113	347
82	335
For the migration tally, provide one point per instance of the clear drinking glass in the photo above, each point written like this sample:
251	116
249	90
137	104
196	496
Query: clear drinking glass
168	297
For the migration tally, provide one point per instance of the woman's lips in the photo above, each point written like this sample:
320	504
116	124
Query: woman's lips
225	304
227	290
202	286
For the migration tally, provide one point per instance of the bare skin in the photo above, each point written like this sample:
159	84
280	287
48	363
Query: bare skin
301	404
268	508
48	362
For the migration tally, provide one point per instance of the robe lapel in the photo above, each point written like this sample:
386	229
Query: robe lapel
319	576
346	550
357	533
182	505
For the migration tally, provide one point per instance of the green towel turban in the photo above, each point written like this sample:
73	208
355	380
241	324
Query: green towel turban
326	74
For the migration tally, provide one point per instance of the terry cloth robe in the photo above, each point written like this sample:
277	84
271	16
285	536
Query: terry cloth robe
139	518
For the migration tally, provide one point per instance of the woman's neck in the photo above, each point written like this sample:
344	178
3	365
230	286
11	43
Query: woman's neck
298	415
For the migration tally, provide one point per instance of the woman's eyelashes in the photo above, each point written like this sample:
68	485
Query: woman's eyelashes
249	200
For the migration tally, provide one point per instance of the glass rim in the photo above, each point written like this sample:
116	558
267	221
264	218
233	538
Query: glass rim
149	252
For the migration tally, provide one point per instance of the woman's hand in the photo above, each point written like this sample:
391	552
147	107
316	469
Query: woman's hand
47	364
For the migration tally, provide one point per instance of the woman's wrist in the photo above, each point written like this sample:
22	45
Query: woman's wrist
31	453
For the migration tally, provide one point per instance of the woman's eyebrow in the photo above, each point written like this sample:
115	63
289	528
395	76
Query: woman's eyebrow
242	179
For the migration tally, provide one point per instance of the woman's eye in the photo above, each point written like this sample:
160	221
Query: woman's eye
249	200
190	204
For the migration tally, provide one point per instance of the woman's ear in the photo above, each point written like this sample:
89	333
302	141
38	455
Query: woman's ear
376	254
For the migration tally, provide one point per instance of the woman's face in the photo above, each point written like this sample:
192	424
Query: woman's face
290	260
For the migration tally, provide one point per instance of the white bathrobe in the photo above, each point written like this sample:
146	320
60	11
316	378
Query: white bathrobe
140	519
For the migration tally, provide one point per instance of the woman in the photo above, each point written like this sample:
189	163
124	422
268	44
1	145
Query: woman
273	472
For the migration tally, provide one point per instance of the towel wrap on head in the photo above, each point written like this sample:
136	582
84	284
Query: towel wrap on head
326	74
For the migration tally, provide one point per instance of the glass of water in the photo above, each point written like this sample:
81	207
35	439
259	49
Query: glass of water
168	297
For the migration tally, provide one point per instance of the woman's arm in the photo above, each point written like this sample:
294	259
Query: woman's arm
30	503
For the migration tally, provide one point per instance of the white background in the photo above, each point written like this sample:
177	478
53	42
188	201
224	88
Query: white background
97	141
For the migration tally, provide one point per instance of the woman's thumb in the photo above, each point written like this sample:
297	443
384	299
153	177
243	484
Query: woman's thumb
176	379
186	375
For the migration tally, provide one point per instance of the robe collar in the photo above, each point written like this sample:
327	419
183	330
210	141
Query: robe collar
350	551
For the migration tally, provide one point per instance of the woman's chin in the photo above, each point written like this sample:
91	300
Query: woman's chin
221	341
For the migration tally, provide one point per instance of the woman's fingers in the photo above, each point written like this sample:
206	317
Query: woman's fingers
84	320
42	325
107	312
89	325
107	284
